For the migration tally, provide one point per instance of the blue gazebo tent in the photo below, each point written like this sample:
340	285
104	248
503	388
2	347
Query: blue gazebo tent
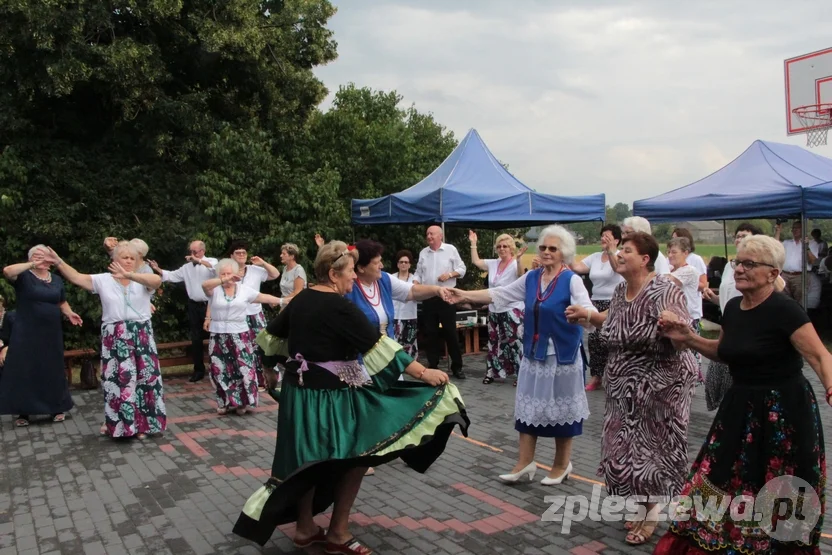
767	180
471	187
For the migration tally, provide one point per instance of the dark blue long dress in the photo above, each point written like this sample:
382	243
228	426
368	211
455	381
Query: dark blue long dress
33	379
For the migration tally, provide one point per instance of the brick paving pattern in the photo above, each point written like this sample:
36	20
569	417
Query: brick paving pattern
66	490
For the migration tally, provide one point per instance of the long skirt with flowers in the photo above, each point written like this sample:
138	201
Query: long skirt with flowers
406	331
760	432
598	350
232	369
131	380
505	343
256	324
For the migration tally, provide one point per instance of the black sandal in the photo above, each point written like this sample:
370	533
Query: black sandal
487	380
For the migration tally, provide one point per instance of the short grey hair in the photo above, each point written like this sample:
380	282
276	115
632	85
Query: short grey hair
200	244
566	240
35	249
125	246
222	264
766	248
638	224
290	248
681	243
140	246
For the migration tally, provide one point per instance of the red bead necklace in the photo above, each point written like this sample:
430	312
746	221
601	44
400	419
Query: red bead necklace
375	296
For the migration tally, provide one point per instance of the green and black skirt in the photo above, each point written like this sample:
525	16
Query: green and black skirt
326	428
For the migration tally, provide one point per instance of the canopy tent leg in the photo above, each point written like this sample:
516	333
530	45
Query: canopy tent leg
804	257
725	237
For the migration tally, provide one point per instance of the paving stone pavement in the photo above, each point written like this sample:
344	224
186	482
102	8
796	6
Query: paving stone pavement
64	489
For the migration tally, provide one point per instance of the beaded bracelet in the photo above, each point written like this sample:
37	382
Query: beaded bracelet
422	373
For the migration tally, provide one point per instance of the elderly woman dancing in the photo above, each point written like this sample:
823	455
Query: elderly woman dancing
33	379
132	380
231	345
649	384
505	345
334	423
768	424
550	399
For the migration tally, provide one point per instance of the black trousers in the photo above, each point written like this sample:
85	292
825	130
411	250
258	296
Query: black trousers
196	318
434	312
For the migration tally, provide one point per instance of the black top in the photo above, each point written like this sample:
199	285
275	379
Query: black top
6	327
756	343
324	327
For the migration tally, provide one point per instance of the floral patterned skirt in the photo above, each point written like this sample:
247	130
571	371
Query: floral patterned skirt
405	331
232	369
131	380
505	343
256	323
759	433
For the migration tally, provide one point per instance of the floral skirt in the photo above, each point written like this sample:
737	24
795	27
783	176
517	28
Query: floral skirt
232	369
405	331
256	323
759	433
598	350
131	380
505	343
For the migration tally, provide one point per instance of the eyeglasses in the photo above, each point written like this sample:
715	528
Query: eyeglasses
503	247
544	248
748	265
195	252
404	261
240	253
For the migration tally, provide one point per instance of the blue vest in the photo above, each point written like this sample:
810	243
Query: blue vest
357	297
549	321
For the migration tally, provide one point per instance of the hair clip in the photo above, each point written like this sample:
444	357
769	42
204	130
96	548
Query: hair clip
350	247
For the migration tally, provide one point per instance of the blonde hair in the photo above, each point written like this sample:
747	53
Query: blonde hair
125	245
227	262
140	246
767	249
638	224
332	256
290	248
567	242
505	237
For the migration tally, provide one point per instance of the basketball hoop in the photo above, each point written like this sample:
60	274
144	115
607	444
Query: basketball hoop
817	120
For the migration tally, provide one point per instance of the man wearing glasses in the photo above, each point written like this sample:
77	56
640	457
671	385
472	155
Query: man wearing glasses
792	269
197	269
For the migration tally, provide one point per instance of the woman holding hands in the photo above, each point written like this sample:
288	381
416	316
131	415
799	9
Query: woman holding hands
130	373
768	424
505	345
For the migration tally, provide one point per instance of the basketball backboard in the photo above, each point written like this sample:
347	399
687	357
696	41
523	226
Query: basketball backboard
808	82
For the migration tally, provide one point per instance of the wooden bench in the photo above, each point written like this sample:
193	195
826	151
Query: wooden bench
71	356
470	338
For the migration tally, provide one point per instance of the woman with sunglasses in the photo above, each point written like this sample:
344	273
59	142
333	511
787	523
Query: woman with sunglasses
405	312
550	399
505	345
768	425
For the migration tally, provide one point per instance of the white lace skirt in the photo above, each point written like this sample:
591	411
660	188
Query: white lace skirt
550	394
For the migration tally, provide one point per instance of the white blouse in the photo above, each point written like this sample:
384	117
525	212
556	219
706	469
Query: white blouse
228	315
604	279
404	310
120	303
689	276
255	275
507	277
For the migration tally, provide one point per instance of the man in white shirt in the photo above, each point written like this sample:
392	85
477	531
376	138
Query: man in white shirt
194	272
440	264
792	268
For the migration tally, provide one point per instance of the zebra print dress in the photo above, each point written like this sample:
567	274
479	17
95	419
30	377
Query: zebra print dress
649	386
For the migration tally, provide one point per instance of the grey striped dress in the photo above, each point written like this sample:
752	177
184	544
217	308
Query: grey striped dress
649	386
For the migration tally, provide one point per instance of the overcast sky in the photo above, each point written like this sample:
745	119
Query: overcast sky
627	98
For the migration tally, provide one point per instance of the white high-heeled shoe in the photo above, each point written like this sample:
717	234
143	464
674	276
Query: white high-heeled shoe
555	481
528	471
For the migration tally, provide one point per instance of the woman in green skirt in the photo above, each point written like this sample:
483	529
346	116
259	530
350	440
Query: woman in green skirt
337	418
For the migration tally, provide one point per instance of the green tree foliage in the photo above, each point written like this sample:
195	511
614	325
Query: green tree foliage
172	120
163	119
